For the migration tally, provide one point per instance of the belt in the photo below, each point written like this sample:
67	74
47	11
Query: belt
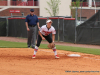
31	25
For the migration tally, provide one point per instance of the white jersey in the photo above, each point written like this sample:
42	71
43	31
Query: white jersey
45	31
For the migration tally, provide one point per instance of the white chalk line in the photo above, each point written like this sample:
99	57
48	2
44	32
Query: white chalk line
64	54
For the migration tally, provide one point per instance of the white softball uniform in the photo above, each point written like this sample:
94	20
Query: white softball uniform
45	31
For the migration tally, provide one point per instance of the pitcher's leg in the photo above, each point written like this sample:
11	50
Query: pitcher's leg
49	39
55	52
39	39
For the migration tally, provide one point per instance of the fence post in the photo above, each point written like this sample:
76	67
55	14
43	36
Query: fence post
63	29
33	2
58	28
7	27
11	15
92	36
76	23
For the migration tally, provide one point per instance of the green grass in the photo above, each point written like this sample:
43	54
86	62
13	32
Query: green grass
80	49
8	44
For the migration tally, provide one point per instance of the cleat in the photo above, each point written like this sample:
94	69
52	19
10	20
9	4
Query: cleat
57	57
33	56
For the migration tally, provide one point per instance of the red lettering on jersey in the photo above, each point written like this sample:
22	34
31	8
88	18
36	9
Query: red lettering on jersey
46	33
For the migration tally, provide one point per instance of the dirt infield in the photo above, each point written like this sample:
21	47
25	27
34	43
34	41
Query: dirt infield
18	61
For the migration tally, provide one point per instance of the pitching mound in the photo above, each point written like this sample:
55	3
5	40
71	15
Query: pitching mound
18	61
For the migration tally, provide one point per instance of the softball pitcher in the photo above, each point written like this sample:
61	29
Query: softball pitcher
44	33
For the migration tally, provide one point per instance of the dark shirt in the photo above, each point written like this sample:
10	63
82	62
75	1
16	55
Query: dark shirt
31	20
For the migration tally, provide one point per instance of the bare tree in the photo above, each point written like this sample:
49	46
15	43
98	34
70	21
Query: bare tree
53	9
75	5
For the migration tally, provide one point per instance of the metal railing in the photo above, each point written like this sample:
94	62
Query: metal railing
85	4
3	3
20	3
97	4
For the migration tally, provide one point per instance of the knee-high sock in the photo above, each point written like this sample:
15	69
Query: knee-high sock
35	50
55	52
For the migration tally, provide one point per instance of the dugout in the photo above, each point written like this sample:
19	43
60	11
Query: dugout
89	31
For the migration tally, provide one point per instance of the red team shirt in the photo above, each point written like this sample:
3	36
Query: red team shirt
45	31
